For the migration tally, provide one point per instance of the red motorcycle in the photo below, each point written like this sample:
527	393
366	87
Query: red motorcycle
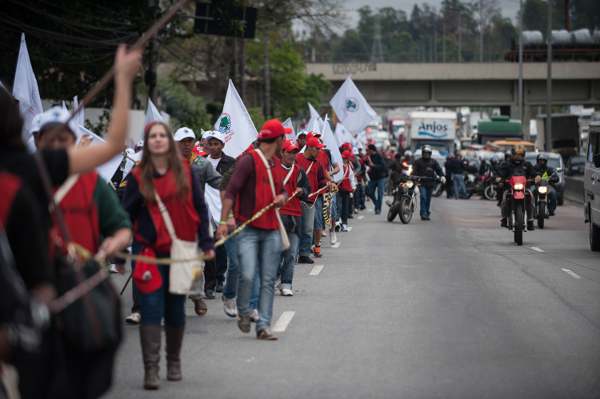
517	194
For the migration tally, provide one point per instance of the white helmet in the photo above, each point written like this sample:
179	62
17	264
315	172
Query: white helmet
408	153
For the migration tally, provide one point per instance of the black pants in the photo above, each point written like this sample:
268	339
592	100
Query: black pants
214	270
345	196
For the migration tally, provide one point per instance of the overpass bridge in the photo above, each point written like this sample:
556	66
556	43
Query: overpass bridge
389	85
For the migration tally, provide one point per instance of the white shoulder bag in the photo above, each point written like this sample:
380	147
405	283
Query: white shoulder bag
181	274
284	237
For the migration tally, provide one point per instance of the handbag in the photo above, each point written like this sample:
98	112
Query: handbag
181	274
146	276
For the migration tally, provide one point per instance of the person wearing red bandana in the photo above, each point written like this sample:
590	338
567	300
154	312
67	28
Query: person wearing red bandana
253	187
295	181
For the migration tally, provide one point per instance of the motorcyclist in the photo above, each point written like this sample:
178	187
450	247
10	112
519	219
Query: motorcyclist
502	164
430	169
543	172
400	167
517	166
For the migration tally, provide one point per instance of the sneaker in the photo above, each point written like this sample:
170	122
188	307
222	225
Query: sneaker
254	316
287	292
303	259
134	318
229	307
317	251
113	269
209	293
265	335
345	228
199	306
244	324
333	238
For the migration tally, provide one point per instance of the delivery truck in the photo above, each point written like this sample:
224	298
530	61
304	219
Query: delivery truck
438	129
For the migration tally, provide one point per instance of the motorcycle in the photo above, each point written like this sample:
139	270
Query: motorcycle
405	200
541	203
487	186
517	193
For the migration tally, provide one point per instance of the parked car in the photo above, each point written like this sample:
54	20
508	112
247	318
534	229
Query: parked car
592	186
575	166
554	161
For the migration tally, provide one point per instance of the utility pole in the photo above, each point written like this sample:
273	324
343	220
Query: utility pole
521	99
267	76
377	49
480	30
548	129
458	28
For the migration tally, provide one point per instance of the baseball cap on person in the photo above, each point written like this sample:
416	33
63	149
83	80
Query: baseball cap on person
347	155
56	115
184	133
301	133
347	147
289	146
272	129
314	142
214	134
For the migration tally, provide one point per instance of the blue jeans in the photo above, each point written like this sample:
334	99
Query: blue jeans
319	222
288	260
162	304
232	278
425	195
307	224
458	184
259	252
375	192
359	196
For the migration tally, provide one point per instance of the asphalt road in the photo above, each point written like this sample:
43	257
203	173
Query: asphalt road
449	308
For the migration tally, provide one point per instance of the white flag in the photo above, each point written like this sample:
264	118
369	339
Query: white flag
152	114
212	197
315	123
288	124
107	170
64	106
235	123
343	135
80	117
351	107
25	89
331	144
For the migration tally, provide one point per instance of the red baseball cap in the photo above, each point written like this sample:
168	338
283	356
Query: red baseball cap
272	129
312	141
347	155
347	147
289	146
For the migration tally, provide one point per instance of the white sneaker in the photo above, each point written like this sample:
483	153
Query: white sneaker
333	238
134	318
254	316
287	292
345	228
229	307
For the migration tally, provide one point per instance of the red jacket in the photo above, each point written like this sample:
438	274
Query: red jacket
289	179
314	172
346	184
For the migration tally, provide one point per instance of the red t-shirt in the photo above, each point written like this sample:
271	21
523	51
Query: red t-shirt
314	173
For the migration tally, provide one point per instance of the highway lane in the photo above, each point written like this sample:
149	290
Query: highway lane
449	308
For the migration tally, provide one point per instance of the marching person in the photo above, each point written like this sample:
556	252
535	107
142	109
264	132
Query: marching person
295	181
163	175
543	172
316	179
377	172
346	188
252	188
429	169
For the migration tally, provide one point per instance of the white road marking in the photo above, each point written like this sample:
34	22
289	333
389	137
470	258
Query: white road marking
538	249
316	270
361	217
283	321
336	245
571	273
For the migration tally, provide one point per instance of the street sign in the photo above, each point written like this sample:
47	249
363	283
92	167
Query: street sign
225	19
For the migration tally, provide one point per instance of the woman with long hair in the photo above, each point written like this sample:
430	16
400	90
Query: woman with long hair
162	174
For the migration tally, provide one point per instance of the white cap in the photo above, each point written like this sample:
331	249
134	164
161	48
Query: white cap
56	115
184	133
214	134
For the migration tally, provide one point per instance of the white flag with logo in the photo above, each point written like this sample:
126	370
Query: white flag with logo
235	123
331	144
25	89
315	123
351	107
80	117
288	124
342	134
153	114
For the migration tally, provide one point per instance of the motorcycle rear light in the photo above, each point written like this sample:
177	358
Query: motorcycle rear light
518	186
409	184
542	190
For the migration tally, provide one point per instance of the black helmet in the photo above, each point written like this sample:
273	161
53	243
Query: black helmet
542	157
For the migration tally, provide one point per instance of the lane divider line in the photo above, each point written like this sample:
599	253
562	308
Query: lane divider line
571	273
316	270
284	321
537	249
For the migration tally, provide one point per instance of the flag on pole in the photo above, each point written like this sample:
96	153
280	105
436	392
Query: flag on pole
351	107
235	123
25	89
342	134
152	114
331	144
80	117
315	123
64	106
108	169
288	124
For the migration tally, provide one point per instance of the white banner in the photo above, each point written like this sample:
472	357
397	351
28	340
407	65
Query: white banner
288	124
343	135
351	107
235	123
315	122
331	144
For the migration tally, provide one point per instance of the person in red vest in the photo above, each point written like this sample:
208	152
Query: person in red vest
346	187
251	188
317	180
294	180
162	172
92	212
